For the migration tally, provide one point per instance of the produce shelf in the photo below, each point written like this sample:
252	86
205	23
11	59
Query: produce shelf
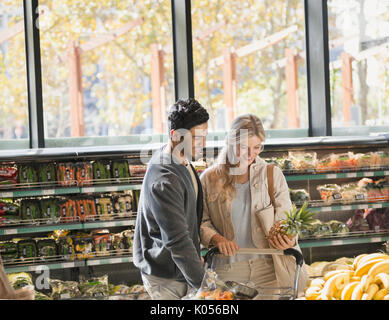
346	207
68	226
321	176
353	238
68	190
68	264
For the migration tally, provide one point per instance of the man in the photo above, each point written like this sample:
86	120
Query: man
166	241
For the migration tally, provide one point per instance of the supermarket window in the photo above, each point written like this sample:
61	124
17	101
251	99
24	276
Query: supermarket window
106	65
359	65
249	57
13	83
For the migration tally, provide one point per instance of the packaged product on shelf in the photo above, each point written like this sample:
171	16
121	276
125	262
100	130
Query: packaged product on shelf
377	219
320	229
373	191
95	287
123	204
46	247
27	174
103	244
8	208
41	296
9	251
122	242
285	164
84	173
344	161
47	172
382	159
136	195
365	160
138	170
66	174
64	289
104	208
358	222
8	176
64	243
120	169
383	185
20	280
326	164
86	208
26	248
68	210
299	196
83	246
330	192
128	238
338	227
351	192
101	171
30	209
304	161
50	209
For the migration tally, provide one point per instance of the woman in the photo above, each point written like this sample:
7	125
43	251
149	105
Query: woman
237	209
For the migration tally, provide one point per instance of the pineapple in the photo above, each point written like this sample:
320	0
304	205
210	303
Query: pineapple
296	220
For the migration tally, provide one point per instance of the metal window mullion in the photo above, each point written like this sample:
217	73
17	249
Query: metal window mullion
318	82
182	49
34	77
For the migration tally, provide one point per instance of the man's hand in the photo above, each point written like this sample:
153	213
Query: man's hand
283	242
224	245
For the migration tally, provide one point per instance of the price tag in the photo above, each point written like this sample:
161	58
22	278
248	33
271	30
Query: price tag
326	209
6	194
368	174
68	265
109	224
116	260
337	242
376	239
93	262
351	175
331	176
346	208
377	205
112	188
10	231
88	190
48	192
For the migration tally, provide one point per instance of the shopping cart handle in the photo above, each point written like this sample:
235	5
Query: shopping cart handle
210	253
295	253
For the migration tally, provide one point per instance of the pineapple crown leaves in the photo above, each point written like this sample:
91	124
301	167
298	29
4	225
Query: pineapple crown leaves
297	218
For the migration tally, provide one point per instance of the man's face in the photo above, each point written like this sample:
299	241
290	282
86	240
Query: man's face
196	137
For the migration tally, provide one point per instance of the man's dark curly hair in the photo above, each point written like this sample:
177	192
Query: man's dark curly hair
186	114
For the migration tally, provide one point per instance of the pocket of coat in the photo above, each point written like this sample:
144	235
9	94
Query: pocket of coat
265	218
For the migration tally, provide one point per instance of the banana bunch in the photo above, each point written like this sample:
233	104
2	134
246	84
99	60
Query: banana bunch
366	279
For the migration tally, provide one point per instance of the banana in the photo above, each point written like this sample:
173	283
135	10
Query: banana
382	279
372	256
380	294
382	266
365	296
355	279
366	280
363	268
356	260
357	292
317	282
312	293
335	283
348	290
332	273
386	297
371	291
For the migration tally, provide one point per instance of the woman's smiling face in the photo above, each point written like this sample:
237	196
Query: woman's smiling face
249	149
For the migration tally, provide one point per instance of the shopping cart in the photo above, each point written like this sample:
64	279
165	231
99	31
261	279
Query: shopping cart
264	293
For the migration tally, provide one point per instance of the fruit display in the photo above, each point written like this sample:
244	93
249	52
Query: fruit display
295	220
367	278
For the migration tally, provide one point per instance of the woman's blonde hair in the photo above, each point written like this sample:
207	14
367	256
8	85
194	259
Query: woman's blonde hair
243	127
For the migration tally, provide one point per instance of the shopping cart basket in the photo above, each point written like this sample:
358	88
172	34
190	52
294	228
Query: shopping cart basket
264	293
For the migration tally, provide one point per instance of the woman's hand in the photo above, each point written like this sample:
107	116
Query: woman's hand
224	245
283	242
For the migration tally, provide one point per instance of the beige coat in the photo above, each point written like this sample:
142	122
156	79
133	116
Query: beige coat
217	215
